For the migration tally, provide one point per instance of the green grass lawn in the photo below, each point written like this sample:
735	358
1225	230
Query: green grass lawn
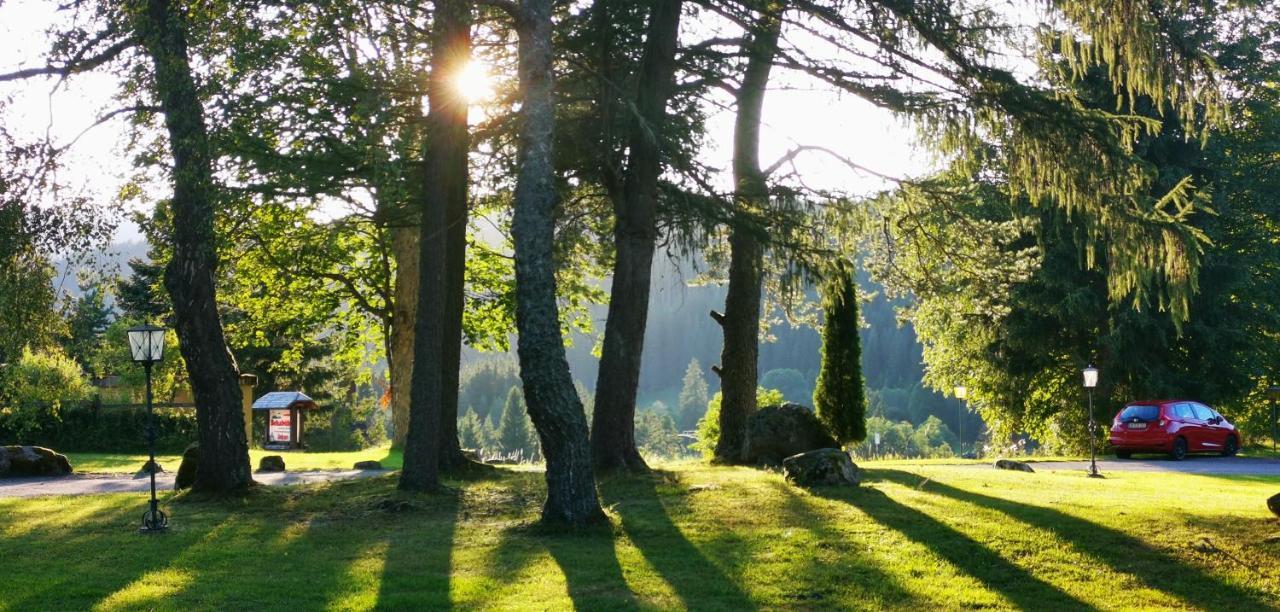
116	463
1264	451
693	536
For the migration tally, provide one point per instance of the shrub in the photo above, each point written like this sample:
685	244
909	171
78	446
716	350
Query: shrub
35	389
793	385
709	426
88	427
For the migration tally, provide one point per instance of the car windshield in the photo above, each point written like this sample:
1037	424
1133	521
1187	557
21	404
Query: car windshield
1143	413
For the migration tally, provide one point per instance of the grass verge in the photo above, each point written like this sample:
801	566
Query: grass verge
117	463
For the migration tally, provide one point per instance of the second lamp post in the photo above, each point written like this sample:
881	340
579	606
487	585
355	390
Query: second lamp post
1091	381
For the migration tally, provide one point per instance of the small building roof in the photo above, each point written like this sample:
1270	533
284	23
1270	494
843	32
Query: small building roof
282	400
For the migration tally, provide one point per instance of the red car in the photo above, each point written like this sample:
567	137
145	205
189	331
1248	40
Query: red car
1177	427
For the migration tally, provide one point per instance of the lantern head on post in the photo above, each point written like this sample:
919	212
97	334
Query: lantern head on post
146	342
1090	377
962	392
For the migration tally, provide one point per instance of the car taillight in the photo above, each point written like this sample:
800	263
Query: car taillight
1162	422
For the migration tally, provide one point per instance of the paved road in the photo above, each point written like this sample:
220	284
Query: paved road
1190	465
91	484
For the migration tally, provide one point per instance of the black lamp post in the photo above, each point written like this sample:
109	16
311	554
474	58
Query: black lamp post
962	394
1091	381
146	342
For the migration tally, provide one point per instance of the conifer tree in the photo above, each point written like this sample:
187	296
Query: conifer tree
839	397
693	397
513	430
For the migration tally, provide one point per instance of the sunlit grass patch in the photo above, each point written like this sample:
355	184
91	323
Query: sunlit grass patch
690	536
295	461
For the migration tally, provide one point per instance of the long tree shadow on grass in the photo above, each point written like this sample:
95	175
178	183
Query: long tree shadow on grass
587	558
418	563
591	569
302	547
647	523
875	587
1022	588
1122	552
63	557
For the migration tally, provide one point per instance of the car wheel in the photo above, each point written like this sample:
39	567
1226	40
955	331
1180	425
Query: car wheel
1123	454
1179	449
1230	447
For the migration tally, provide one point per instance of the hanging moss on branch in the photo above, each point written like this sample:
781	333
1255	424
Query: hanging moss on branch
839	398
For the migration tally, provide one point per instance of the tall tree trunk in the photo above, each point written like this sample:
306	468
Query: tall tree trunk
552	401
189	276
613	443
404	248
456	145
741	320
444	187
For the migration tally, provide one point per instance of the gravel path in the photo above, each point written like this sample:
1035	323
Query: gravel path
93	484
1191	465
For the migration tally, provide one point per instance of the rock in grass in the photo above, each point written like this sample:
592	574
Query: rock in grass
1010	464
777	432
368	465
822	467
187	470
1274	504
271	463
150	466
32	461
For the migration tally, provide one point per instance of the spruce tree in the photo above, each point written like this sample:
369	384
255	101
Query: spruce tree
839	395
693	397
513	429
471	431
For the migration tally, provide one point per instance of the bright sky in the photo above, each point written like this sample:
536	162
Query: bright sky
98	166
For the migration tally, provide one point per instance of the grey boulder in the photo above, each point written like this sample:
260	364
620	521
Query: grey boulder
32	461
187	470
822	467
1010	464
777	432
271	463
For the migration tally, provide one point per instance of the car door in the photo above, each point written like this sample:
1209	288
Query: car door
1217	430
1205	434
1186	421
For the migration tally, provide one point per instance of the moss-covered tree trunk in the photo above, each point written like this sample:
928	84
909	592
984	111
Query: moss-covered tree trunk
741	319
552	401
613	440
189	276
404	249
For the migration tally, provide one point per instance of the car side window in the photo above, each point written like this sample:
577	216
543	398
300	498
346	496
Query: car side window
1183	411
1202	412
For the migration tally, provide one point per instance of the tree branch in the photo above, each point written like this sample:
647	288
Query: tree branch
74	67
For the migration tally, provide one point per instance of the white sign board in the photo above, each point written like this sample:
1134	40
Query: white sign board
280	428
